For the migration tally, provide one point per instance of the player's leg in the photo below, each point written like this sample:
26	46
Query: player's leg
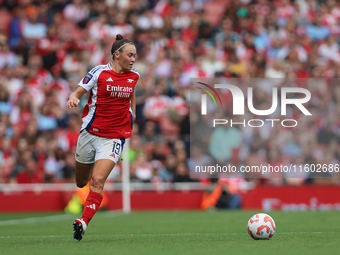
101	171
83	174
85	158
107	155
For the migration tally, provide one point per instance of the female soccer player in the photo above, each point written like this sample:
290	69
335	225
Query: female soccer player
107	122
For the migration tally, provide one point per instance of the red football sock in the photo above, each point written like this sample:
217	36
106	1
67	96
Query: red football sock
91	206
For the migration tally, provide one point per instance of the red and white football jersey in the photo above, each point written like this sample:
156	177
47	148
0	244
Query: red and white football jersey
108	112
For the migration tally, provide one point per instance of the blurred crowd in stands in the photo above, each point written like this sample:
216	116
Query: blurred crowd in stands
47	46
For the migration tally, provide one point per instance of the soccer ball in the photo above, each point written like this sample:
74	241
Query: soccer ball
261	226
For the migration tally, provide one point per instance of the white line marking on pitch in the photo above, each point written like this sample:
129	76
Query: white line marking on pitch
146	235
54	218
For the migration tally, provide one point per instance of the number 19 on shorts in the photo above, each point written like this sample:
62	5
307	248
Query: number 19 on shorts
116	148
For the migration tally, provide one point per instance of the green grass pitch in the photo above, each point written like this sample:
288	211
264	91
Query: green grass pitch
174	232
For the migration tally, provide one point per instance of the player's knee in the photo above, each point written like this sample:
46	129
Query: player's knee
97	182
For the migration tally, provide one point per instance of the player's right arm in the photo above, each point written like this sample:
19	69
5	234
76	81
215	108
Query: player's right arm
84	86
73	99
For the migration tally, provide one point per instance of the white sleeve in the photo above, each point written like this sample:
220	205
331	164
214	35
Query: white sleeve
90	79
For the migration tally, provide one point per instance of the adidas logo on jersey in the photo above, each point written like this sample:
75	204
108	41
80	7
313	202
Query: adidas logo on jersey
93	206
130	80
109	79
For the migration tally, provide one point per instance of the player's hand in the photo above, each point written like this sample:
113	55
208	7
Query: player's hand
72	102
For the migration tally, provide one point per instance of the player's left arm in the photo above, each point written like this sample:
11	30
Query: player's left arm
133	105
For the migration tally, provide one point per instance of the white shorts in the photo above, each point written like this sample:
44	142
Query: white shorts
91	148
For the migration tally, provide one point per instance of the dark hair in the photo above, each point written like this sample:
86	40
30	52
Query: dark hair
118	43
